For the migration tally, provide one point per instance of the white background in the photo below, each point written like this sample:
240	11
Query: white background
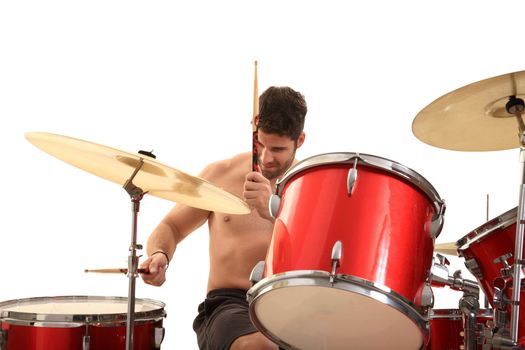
176	77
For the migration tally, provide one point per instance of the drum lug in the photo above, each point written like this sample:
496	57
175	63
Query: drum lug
352	177
436	225
257	272
86	340
159	336
473	266
3	339
427	296
274	205
506	271
337	254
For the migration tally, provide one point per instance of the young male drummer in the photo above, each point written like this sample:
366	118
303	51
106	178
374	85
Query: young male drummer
237	242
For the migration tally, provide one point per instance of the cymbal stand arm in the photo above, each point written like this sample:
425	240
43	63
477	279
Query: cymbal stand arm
136	194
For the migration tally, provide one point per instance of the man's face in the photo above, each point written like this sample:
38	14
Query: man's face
276	153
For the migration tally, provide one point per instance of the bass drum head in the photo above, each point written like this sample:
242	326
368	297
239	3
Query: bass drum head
313	317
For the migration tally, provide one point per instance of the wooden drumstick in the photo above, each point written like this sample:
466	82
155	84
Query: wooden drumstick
255	120
122	270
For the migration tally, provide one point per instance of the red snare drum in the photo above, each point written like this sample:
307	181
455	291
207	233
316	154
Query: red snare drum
375	222
483	246
66	323
446	328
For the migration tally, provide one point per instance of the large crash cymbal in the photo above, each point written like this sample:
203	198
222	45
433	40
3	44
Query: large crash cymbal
153	177
473	118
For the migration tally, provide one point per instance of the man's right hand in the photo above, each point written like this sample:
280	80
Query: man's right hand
156	265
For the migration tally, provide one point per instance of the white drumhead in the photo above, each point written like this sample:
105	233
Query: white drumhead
78	308
317	318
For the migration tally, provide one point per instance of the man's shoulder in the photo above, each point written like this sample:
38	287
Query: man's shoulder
238	162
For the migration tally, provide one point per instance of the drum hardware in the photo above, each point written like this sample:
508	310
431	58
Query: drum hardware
436	224
3	339
159	333
257	272
337	254
469	306
352	176
473	266
275	204
506	270
86	339
136	194
516	106
440	277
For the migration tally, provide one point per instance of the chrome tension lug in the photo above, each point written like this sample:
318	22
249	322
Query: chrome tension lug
337	254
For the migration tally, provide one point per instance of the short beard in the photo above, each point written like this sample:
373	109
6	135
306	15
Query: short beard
272	175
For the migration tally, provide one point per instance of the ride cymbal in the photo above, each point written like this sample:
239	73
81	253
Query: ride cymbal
153	177
474	117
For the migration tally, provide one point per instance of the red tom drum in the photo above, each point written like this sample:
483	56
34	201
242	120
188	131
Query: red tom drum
485	251
79	322
350	257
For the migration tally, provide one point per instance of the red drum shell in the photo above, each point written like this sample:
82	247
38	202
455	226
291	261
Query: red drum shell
35	323
383	226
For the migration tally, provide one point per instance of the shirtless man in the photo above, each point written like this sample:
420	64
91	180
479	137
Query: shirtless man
237	242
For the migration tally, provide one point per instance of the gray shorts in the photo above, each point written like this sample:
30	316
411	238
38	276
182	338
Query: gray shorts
223	317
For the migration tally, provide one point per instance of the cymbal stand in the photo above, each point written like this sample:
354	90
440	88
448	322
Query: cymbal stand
136	194
516	106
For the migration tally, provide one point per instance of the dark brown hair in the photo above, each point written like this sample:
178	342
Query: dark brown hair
282	111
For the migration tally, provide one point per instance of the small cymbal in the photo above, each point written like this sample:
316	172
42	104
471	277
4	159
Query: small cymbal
153	177
473	118
448	248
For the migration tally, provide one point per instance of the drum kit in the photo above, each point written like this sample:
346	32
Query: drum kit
352	262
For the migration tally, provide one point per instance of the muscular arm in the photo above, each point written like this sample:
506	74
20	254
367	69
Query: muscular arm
180	221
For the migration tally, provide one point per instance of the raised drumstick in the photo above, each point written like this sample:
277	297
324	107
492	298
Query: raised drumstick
255	119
